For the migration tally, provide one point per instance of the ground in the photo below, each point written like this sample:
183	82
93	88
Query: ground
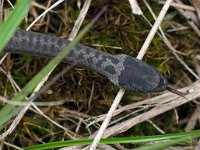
86	93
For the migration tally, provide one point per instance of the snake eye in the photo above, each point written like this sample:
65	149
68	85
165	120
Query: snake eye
162	85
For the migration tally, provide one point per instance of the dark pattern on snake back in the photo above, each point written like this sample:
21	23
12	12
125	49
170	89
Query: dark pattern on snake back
124	71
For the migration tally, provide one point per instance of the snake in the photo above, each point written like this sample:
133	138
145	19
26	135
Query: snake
122	70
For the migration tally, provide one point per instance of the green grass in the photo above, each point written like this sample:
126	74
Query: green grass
163	141
12	22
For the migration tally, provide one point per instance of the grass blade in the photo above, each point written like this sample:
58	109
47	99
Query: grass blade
177	137
11	23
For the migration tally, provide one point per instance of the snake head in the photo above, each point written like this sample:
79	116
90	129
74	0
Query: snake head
139	76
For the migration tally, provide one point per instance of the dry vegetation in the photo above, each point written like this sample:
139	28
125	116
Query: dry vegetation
86	94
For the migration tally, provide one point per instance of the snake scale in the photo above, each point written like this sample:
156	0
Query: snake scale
124	71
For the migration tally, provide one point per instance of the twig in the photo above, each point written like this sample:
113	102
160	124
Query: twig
13	146
135	7
80	19
4	100
45	12
196	4
3	58
182	6
107	119
194	27
154	29
40	6
192	122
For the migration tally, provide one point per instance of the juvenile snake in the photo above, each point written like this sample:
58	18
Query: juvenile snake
122	70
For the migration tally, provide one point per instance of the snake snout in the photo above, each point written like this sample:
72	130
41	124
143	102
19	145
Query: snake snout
139	76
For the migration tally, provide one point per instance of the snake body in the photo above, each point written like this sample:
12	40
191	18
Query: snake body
123	70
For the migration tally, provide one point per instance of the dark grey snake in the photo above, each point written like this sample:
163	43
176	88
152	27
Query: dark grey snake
123	70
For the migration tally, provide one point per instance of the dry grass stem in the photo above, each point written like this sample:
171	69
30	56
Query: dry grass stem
80	19
197	146
54	103
173	101
194	119
3	58
105	123
196	4
44	13
11	80
182	6
40	6
12	146
135	7
154	29
67	131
